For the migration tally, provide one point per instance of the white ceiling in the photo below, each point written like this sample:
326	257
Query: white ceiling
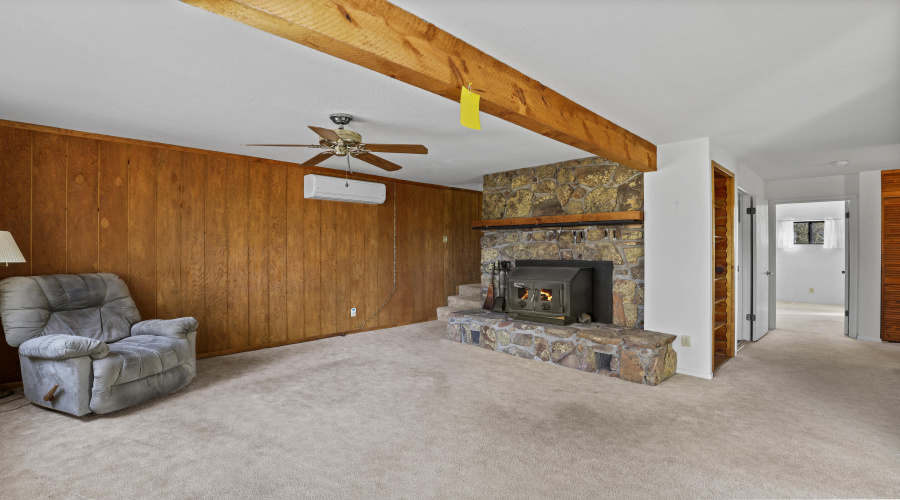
787	87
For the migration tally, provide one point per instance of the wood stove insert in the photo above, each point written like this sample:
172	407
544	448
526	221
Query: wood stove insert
558	292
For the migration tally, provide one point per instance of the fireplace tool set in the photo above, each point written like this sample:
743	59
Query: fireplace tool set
494	302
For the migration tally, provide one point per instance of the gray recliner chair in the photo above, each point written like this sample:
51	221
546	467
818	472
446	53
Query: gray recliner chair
83	333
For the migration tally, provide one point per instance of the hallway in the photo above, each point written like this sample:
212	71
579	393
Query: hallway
825	319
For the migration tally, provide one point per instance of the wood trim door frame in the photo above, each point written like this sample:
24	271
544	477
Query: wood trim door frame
725	302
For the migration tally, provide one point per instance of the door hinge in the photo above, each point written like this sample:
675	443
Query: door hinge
847	313
751	211
846	215
751	317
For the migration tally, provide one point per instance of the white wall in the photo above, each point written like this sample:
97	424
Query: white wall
804	267
721	155
817	188
870	256
750	182
678	251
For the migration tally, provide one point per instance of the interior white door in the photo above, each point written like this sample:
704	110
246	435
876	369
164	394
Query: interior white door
761	274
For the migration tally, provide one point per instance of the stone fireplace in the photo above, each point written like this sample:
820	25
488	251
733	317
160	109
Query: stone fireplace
588	185
537	322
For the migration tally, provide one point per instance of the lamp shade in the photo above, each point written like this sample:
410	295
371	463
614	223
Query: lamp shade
9	251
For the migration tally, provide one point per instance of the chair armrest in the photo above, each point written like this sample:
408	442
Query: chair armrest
63	347
175	328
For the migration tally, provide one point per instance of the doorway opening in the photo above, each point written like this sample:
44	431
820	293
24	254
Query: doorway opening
812	265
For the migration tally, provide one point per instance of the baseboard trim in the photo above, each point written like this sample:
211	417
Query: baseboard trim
298	341
692	373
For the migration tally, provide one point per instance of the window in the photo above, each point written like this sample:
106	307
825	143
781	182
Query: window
809	233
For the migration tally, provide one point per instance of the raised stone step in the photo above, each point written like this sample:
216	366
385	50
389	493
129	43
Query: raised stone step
472	290
443	312
469	298
462	302
628	353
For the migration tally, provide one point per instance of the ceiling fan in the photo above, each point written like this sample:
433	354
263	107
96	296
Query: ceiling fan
342	142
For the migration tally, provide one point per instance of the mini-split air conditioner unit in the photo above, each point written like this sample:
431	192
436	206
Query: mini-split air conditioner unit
322	187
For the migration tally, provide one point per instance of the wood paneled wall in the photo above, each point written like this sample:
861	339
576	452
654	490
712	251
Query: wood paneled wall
229	239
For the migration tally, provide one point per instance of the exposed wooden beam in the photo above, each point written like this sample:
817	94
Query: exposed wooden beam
387	39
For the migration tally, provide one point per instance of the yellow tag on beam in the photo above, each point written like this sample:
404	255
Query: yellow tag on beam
468	109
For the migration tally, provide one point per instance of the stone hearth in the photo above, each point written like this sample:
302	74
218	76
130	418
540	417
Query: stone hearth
616	351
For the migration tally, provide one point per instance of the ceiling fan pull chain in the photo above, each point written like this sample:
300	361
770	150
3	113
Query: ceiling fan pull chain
350	172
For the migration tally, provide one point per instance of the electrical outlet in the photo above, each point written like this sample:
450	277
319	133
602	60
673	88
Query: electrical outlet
353	312
812	290
445	239
686	340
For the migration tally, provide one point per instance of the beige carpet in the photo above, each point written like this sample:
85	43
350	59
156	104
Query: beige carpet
402	413
808	309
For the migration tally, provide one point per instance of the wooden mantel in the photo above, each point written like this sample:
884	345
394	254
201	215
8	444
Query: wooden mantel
385	38
629	217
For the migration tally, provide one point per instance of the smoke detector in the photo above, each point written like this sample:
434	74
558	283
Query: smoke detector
840	163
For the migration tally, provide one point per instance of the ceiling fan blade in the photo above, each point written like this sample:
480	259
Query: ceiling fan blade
416	149
287	145
325	133
378	162
315	160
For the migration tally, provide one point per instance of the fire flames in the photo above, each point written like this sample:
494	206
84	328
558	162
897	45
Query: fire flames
546	295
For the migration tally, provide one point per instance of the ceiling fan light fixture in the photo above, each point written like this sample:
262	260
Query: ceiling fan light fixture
343	142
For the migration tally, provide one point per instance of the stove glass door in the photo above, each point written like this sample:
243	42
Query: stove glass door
548	297
522	296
